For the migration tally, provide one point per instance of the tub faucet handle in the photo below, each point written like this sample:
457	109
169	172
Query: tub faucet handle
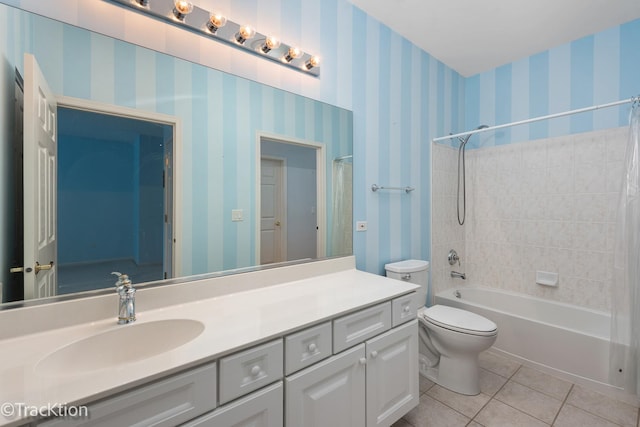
453	257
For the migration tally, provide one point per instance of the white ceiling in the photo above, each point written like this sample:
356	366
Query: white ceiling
473	36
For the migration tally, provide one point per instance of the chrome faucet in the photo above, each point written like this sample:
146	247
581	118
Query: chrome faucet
127	303
460	275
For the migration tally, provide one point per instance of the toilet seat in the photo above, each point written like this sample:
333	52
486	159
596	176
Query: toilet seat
458	320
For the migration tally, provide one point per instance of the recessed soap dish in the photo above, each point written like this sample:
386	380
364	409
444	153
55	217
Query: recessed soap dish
546	278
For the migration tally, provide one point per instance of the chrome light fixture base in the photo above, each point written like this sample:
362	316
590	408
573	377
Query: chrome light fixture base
198	21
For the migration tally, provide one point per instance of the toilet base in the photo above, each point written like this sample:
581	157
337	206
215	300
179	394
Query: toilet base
460	375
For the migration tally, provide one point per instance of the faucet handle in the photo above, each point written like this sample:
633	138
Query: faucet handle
453	257
123	280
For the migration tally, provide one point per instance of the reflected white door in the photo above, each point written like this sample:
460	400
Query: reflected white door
167	183
272	221
40	139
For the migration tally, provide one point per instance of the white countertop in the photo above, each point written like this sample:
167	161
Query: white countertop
232	322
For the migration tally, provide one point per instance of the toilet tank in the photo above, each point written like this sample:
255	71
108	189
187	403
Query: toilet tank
413	271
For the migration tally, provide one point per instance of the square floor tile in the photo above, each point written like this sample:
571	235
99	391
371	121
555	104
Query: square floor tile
542	382
431	413
490	383
529	401
467	405
570	416
498	414
610	409
425	384
498	364
401	423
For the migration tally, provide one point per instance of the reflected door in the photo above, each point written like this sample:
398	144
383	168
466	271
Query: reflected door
40	136
272	204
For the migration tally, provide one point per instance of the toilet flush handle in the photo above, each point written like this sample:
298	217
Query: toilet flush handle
406	276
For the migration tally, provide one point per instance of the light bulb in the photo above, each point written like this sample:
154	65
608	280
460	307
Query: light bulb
270	43
216	21
182	8
314	61
245	33
293	53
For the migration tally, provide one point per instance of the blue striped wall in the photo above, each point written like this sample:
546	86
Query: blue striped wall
596	69
218	138
401	97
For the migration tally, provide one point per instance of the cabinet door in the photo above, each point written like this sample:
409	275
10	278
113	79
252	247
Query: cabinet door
329	393
392	375
262	408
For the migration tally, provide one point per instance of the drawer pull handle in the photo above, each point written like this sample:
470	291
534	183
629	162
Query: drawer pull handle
312	348
374	354
406	309
363	361
255	370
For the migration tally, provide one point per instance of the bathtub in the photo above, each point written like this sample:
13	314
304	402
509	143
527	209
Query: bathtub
562	339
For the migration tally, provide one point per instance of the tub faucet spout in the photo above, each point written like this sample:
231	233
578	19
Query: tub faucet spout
455	274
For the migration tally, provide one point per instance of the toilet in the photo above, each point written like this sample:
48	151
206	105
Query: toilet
450	338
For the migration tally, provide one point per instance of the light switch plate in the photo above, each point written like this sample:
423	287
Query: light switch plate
237	215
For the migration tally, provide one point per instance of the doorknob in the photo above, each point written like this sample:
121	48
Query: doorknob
38	267
277	223
43	267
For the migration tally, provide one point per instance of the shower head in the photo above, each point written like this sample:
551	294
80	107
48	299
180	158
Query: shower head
466	138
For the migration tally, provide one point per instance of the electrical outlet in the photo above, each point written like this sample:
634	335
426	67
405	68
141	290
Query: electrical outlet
361	226
237	215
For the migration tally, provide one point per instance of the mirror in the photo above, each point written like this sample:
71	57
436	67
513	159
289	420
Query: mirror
184	168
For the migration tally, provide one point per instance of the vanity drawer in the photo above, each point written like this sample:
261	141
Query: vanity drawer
249	370
357	327
307	347
261	408
168	402
404	309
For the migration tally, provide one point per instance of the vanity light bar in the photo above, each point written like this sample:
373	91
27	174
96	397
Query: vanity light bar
185	14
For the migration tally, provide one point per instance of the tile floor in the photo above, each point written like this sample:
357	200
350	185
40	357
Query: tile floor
513	395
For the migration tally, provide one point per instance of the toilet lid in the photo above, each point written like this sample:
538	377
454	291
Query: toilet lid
459	320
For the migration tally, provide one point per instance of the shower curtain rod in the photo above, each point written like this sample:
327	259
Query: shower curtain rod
537	119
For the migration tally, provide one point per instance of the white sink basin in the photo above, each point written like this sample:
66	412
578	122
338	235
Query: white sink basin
124	344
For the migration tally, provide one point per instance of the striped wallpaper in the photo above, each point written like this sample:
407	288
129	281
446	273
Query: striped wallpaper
218	138
596	69
401	97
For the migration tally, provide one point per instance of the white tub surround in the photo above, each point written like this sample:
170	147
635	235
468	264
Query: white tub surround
542	205
237	312
566	340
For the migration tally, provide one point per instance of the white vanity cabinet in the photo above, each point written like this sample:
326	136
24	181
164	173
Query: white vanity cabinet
372	384
355	370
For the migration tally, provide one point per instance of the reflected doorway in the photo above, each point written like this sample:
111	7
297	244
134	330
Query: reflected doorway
38	199
112	199
291	201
